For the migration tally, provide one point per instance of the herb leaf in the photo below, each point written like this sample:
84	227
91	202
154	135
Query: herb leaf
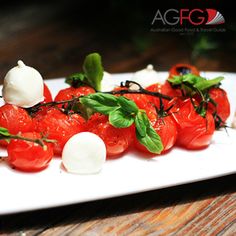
151	140
196	81
120	119
99	102
192	79
205	84
176	80
141	123
127	105
4	132
93	70
76	80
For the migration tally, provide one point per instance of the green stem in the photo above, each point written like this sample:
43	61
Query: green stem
38	141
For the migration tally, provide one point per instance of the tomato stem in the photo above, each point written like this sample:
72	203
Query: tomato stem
38	141
128	84
71	103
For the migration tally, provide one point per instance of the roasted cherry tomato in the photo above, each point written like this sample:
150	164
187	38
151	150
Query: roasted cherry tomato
47	98
59	126
15	119
117	140
194	131
166	129
164	89
167	89
182	69
47	94
143	101
69	93
29	156
157	89
222	106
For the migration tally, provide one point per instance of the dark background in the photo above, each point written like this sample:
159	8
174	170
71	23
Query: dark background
54	36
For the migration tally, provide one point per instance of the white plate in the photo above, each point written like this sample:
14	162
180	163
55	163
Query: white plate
129	174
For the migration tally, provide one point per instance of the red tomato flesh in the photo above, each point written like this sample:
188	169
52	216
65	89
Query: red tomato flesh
117	140
29	156
194	131
59	126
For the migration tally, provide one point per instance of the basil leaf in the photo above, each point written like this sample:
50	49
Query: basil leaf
127	105
120	119
141	123
93	70
151	140
99	102
176	80
192	79
4	132
191	82
146	134
205	84
76	80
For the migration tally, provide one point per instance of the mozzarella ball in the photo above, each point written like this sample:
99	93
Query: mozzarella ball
84	153
107	82
147	76
23	86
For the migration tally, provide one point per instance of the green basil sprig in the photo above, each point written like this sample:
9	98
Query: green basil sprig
146	134
93	70
92	73
99	102
196	82
122	113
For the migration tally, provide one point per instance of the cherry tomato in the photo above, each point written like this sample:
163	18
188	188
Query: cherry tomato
15	119
47	94
194	131
164	89
29	156
69	93
182	69
117	140
59	126
155	88
222	107
47	98
166	129
142	101
167	89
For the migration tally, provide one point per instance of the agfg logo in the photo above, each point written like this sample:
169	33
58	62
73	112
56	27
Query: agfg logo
194	17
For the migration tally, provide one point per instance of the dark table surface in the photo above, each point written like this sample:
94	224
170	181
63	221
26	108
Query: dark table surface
48	37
